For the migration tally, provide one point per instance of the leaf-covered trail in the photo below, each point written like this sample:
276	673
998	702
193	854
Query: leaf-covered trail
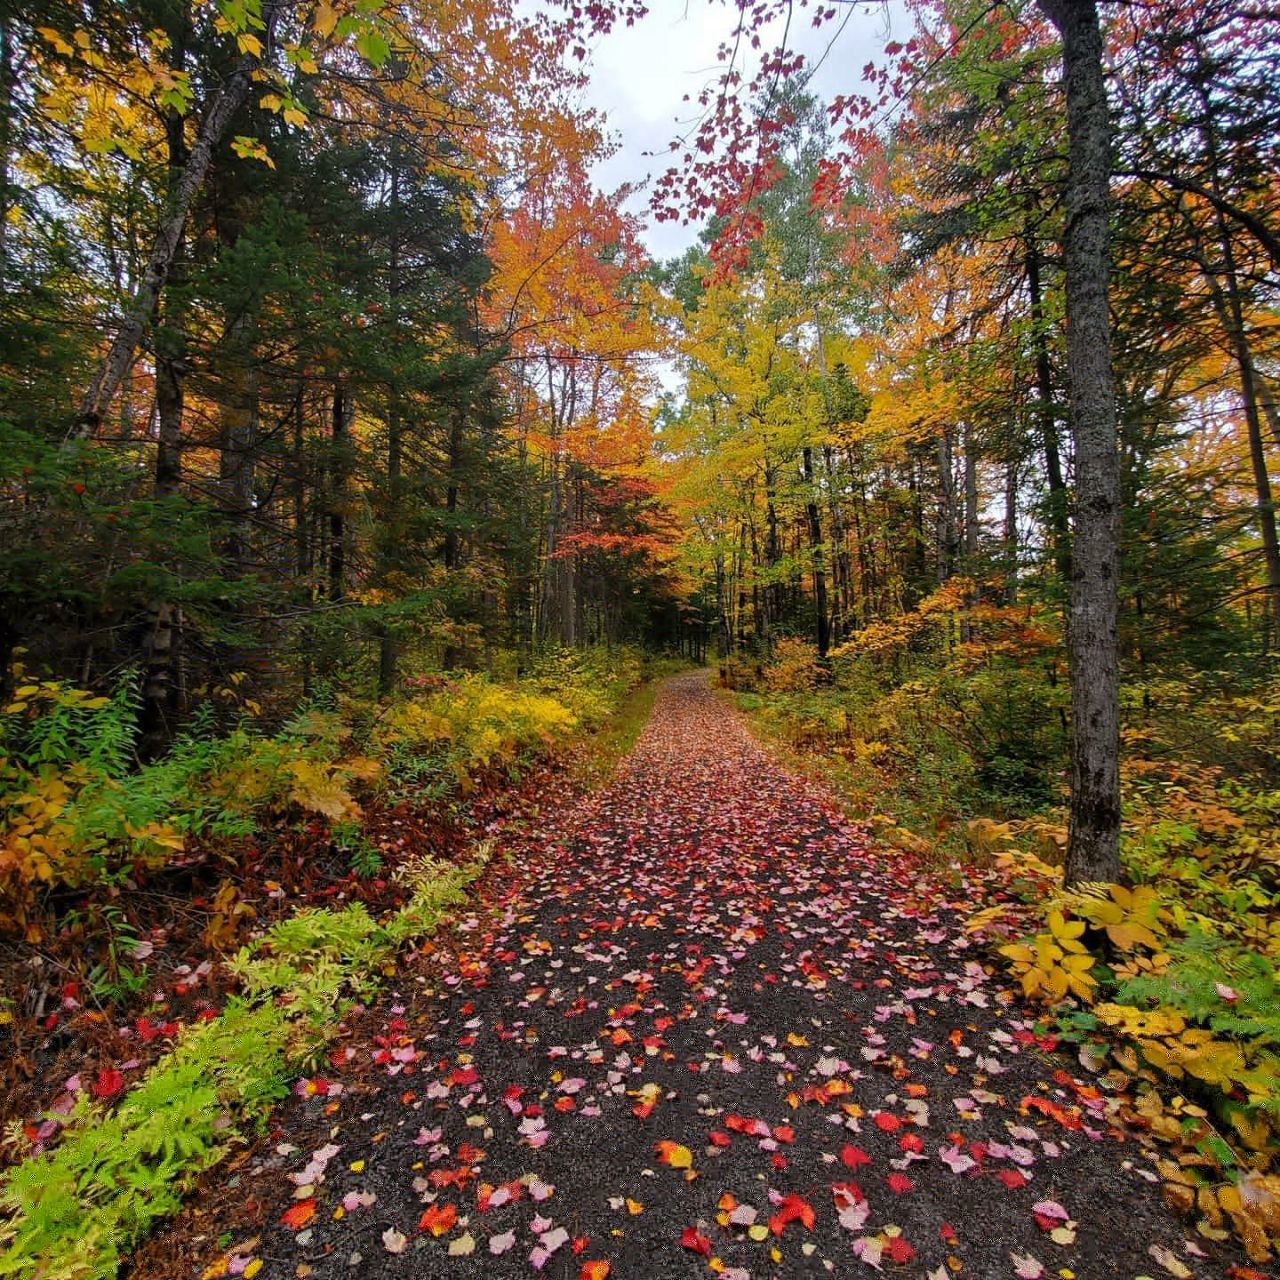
712	968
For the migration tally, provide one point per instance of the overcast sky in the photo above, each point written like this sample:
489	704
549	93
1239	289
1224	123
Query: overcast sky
640	74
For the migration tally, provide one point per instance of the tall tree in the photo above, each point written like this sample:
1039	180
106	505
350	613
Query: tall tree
1093	851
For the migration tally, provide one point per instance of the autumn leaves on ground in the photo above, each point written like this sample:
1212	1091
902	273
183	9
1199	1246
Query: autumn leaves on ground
697	1023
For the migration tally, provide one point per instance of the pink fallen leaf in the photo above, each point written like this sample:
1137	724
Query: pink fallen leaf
1026	1267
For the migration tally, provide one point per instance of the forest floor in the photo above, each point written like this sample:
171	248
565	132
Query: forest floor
699	1025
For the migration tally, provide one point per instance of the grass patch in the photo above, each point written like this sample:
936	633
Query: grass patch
605	749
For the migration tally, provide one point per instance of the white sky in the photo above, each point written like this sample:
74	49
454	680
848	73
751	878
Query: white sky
640	74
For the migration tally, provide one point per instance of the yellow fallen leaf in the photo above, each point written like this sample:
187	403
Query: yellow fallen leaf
675	1155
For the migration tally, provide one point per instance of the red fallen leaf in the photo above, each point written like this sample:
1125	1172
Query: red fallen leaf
452	1177
695	1242
854	1156
784	1133
792	1209
298	1215
911	1142
464	1075
438	1219
779	1162
1238	1272
948	1234
565	1104
1067	1117
594	1271
1012	1178
107	1083
579	1244
887	1122
899	1183
899	1250
719	1139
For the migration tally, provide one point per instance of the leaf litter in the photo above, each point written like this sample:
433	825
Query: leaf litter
711	1029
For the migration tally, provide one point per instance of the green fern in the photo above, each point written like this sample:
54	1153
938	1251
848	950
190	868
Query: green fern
1201	964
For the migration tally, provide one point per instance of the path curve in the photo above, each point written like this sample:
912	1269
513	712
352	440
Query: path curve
712	956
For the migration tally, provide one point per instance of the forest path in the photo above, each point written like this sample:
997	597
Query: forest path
711	955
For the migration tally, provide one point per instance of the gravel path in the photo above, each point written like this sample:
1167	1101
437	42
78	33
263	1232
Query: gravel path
713	1031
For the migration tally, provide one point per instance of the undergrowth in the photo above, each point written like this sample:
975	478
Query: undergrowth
79	812
947	728
117	1171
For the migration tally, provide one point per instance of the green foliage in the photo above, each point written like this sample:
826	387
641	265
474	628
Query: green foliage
957	712
1217	984
77	809
118	1171
366	859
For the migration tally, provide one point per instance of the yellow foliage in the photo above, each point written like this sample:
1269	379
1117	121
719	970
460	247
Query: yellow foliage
321	787
1054	965
1140	1022
481	721
1131	917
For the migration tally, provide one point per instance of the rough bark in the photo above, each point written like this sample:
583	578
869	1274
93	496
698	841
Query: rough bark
1059	513
7	83
238	442
1093	850
160	648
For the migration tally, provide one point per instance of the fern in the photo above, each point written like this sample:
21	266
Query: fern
1201	964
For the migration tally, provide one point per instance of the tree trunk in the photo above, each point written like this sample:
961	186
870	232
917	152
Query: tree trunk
227	100
970	502
388	650
160	647
1011	532
1231	312
7	83
1093	850
821	620
947	539
238	439
160	650
840	551
1059	513
339	466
